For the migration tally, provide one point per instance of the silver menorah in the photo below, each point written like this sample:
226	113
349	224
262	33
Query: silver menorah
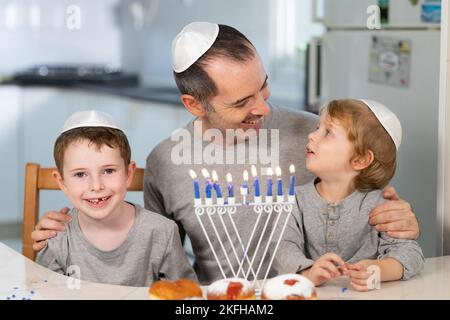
207	208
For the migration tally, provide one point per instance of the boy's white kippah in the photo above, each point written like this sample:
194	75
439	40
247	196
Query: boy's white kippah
388	119
191	43
90	118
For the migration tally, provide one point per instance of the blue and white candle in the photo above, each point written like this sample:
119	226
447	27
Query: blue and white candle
244	187
269	185
292	180
256	182
197	199
279	184
230	187
196	186
216	185
208	183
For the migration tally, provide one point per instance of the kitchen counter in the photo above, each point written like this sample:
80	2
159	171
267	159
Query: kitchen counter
163	94
156	94
21	278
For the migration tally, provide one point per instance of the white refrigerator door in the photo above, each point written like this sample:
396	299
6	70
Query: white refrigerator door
345	72
353	13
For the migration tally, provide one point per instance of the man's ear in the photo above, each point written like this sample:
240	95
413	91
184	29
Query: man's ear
59	180
130	174
363	162
193	105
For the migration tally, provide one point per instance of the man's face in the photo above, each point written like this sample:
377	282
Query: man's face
242	95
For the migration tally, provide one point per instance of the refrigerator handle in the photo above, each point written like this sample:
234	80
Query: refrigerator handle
315	16
313	72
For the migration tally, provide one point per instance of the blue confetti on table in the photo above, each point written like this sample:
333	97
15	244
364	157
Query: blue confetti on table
344	289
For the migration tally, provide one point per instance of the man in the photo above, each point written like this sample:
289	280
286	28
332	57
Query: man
224	85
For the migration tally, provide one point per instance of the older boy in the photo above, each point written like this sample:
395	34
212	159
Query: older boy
108	240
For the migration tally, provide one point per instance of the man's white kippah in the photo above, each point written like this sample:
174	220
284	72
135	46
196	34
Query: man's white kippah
388	119
91	118
191	43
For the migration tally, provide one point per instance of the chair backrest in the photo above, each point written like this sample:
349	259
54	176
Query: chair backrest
36	179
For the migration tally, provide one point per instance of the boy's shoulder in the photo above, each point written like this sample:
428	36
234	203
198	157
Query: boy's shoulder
372	198
155	221
366	200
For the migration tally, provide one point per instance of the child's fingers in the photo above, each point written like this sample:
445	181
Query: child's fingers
359	287
335	259
330	267
359	274
354	267
360	282
323	273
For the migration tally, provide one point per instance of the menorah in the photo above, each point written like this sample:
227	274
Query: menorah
206	208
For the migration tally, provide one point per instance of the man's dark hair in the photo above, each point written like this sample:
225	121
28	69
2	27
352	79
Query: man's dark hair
195	81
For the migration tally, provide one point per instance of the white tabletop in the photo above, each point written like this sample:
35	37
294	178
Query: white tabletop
21	278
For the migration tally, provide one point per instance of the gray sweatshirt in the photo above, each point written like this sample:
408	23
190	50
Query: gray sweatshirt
151	251
168	189
317	227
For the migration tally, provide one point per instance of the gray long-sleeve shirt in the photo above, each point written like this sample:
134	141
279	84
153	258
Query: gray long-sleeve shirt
168	188
317	227
152	250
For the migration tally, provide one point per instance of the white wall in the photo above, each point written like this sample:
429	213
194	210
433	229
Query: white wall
35	31
148	49
443	232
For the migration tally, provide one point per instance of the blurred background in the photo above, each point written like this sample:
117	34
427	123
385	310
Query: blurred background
58	57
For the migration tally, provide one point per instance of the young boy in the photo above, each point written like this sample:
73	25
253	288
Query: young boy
108	240
353	154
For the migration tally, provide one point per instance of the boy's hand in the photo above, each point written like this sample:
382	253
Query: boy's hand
327	267
48	226
359	275
395	217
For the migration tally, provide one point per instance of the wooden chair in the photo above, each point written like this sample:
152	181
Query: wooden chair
36	179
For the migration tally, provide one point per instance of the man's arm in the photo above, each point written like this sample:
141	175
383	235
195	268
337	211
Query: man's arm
395	217
154	200
48	226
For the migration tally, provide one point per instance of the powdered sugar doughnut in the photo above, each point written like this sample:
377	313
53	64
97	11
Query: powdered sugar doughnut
231	289
289	287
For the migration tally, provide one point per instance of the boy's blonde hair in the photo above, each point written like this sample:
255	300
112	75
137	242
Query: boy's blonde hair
366	133
99	136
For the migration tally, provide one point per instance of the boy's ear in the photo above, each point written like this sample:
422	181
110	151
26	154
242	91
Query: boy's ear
193	105
130	173
59	180
363	162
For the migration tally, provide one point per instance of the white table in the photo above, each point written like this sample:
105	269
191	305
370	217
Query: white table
21	278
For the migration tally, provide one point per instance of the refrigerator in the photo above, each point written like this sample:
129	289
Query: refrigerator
397	65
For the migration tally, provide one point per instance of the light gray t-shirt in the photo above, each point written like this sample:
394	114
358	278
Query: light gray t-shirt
168	189
317	227
152	250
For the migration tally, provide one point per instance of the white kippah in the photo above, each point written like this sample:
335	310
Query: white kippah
388	119
191	43
91	118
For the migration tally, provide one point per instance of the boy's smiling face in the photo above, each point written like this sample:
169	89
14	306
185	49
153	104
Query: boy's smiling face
95	180
329	151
